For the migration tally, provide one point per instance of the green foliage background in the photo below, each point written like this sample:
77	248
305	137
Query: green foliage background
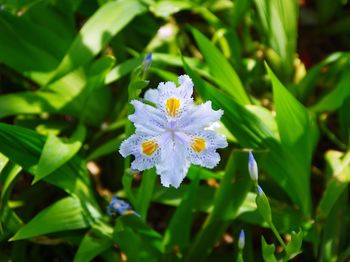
278	69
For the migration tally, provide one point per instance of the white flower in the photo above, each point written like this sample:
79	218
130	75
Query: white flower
173	134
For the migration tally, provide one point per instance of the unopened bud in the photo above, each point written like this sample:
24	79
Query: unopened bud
147	61
241	240
253	168
263	205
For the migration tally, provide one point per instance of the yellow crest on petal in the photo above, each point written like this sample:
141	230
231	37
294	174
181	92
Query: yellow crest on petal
198	144
172	106
149	147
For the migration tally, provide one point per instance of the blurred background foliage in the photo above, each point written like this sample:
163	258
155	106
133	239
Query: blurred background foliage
278	68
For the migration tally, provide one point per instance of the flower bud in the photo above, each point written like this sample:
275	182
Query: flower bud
253	168
263	205
147	61
241	240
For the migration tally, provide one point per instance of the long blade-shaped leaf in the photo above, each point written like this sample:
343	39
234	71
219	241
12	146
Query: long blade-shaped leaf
56	152
24	146
295	126
251	132
336	97
298	136
66	214
223	73
279	21
179	230
97	240
232	191
97	32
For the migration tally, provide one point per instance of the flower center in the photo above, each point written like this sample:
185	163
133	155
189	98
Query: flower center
172	106
198	144
149	147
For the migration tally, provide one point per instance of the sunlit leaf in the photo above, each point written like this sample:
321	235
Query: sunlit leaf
57	152
294	246
298	135
253	133
137	239
339	166
179	230
222	71
95	241
66	214
268	251
97	32
336	97
23	147
232	191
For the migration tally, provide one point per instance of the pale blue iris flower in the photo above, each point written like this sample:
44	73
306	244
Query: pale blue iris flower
173	134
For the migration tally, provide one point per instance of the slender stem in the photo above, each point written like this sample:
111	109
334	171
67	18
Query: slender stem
330	134
240	256
274	230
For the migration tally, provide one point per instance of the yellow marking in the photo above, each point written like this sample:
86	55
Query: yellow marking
172	106
198	144
149	147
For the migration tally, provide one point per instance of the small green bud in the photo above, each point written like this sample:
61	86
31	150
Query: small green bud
263	205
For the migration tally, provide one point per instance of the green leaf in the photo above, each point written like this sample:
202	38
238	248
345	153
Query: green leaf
268	251
176	61
298	136
285	217
291	113
294	246
241	7
307	85
107	148
137	240
95	92
70	95
56	152
97	32
30	103
229	197
9	222
340	26
56	17
344	120
339	165
327	9
166	8
333	233
223	73
336	97
8	176
136	84
263	206
24	146
178	233
27	47
122	69
203	173
96	240
65	214
279	21
145	192
253	133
